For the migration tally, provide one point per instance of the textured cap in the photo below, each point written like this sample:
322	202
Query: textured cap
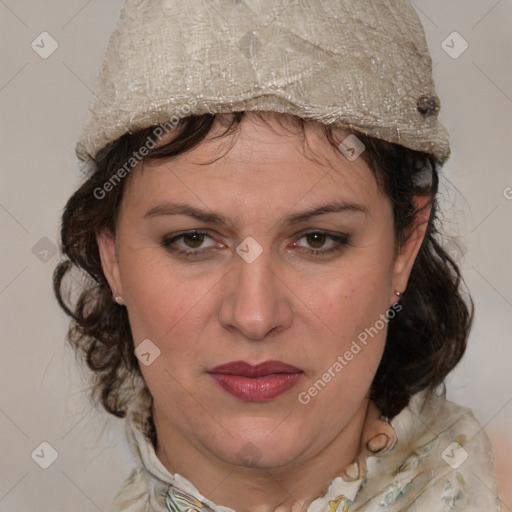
364	65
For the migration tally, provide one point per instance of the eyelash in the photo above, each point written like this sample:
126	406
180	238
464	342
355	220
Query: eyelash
341	242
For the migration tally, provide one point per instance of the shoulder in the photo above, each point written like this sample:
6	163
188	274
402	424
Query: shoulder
443	461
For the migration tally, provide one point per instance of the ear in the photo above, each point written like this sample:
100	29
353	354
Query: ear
109	260
407	253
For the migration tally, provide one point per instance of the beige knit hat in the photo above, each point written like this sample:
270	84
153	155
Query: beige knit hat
360	64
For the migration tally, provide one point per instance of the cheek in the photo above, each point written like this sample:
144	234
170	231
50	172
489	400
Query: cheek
352	298
161	301
351	306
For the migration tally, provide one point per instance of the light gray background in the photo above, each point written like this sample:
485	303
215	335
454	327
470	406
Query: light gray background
43	103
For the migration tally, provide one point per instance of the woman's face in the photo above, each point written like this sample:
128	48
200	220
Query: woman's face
266	280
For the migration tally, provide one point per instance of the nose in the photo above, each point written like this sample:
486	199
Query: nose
257	302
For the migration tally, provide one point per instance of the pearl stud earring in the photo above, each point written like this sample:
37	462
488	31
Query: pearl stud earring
119	299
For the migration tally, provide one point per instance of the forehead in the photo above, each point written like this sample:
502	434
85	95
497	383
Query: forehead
264	160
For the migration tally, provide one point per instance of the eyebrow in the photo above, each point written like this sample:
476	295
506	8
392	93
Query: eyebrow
215	218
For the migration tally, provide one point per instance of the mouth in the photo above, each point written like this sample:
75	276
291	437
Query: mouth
258	383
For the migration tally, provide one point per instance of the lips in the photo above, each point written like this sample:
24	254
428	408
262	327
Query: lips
247	370
258	383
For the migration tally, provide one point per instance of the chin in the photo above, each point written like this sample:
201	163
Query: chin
262	442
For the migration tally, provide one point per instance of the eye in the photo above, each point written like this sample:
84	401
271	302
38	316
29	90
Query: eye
189	242
317	239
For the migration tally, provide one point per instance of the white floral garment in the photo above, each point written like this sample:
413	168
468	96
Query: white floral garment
442	462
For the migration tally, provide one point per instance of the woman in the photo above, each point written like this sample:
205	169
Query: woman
269	307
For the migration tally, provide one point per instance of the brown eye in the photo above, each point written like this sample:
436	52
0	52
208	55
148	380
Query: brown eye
193	240
189	243
316	240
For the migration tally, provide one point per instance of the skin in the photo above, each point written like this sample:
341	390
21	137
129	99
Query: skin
287	305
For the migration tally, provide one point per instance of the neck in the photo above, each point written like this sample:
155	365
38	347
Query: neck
289	488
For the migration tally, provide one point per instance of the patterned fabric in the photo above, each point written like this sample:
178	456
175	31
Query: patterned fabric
179	501
442	462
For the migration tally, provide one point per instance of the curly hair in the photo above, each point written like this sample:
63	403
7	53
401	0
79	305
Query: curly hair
424	342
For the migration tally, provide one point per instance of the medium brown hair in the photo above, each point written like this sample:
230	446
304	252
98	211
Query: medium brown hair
424	341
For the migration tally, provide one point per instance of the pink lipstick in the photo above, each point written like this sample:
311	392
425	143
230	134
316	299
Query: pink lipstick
258	383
